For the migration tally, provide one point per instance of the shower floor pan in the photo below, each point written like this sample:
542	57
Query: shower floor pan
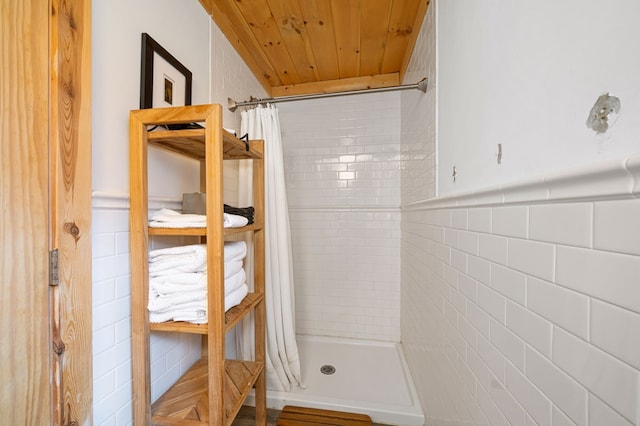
357	376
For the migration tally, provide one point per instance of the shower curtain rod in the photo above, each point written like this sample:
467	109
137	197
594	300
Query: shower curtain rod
233	105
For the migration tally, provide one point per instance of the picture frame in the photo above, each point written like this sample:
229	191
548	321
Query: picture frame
164	81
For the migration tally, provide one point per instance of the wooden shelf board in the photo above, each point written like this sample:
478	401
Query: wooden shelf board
235	314
231	318
185	403
201	232
252	227
178	231
190	142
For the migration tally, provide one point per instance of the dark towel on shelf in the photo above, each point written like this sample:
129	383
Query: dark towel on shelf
240	211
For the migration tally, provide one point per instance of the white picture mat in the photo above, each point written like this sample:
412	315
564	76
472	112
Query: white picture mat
162	68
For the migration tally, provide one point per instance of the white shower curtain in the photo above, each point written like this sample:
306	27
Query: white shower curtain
282	361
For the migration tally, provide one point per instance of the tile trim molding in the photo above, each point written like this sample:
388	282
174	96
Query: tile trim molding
607	180
103	200
347	209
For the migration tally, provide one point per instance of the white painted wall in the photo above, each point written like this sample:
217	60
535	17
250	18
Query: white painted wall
180	27
526	74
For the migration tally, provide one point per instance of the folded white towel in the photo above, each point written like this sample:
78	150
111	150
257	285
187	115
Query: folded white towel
234	282
171	260
195	316
177	283
166	215
236	297
168	302
234	220
166	218
234	250
232	268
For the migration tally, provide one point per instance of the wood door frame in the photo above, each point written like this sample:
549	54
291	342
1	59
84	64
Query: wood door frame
70	210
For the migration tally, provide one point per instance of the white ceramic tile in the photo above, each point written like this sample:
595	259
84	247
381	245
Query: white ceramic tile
633	166
493	248
491	302
459	260
102	245
451	276
616	331
563	391
458	301
103	339
489	408
532	257
451	237
459	219
614	382
617	226
468	287
468	242
468	331
478	318
509	283
533	329
495	360
479	269
525	190
479	219
564	307
510	221
558	418
509	406
478	367
510	345
530	397
569	224
604	179
601	414
608	276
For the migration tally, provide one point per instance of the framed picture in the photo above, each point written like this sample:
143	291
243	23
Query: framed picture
164	81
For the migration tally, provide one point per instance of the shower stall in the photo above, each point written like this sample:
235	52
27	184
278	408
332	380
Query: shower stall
342	167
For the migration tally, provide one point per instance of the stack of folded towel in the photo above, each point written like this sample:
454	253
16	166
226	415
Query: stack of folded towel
166	218
178	281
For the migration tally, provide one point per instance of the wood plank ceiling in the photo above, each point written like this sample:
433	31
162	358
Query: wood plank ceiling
296	47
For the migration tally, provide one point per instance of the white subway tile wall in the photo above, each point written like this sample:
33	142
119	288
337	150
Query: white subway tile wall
567	342
342	166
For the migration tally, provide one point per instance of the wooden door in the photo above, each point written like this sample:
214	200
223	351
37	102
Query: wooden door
45	103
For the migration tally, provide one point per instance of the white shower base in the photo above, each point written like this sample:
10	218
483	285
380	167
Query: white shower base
370	378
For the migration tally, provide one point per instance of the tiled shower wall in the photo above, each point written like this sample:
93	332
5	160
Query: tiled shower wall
342	165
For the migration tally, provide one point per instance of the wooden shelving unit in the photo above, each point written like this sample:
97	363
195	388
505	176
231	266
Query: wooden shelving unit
214	389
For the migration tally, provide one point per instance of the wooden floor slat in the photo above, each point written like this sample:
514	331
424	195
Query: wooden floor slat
299	416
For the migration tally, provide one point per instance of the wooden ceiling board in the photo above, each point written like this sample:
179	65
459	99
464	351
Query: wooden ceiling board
400	29
265	29
288	16
321	46
241	38
417	24
375	19
340	85
346	18
319	23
